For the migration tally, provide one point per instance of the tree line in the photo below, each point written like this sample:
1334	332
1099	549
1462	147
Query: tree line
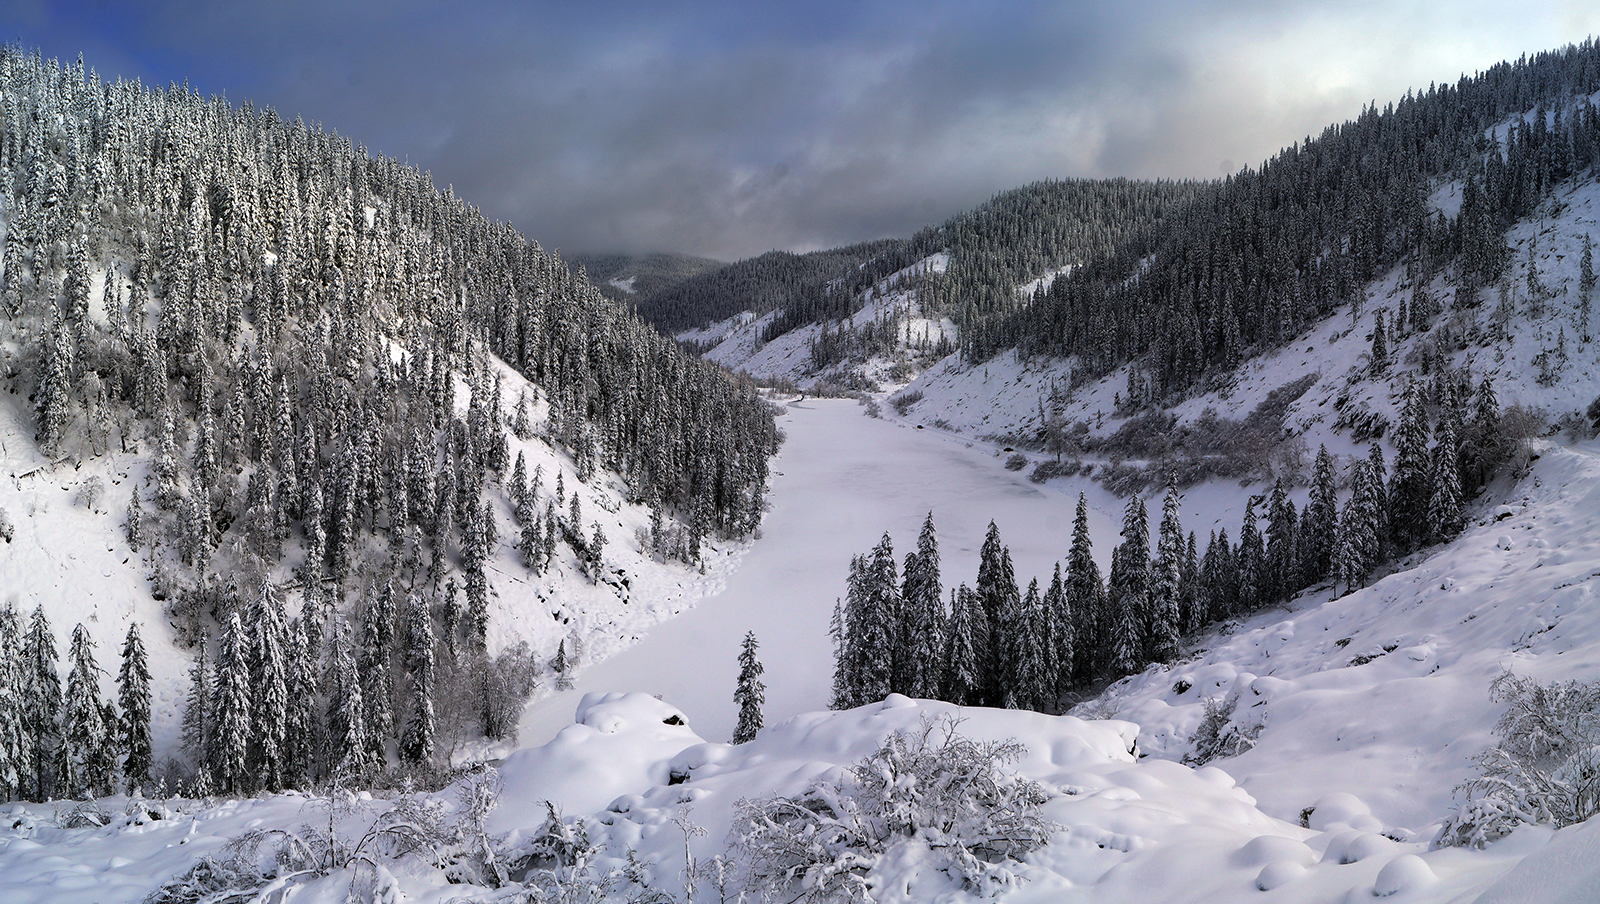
995	644
69	742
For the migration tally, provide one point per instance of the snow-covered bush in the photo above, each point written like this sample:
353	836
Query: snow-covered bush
931	788
561	865
1218	735
1545	767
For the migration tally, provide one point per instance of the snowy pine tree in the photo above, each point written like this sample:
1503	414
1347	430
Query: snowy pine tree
198	724
923	619
1086	595
1319	524
1410	485
1128	591
750	694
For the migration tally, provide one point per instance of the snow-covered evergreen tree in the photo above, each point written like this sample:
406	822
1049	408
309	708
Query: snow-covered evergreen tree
87	760
198	724
1166	573
1319	523
269	689
961	681
1062	640
41	688
133	697
923	619
14	777
1128	591
233	710
349	749
417	741
750	694
1410	485
1086	595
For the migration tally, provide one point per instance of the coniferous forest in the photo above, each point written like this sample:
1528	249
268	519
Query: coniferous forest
301	335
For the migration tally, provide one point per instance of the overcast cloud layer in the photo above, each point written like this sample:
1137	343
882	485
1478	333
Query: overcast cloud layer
728	129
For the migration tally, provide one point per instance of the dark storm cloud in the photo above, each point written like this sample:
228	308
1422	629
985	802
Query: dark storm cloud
730	128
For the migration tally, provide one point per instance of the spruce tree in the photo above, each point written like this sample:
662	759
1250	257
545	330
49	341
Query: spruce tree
1166	580
1320	522
349	749
133	696
1410	486
996	588
198	722
1062	640
1250	562
14	778
962	679
269	689
87	763
1128	590
1086	595
1279	577
750	694
923	620
232	707
417	741
1444	507
42	691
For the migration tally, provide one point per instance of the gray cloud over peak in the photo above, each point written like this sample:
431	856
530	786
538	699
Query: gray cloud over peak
728	129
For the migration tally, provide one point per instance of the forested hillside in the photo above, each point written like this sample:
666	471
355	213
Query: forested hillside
306	341
628	277
1254	260
1014	237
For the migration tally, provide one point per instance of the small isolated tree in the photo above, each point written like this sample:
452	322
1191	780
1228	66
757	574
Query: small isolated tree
750	693
928	795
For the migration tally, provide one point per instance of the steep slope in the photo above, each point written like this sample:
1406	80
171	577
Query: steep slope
314	388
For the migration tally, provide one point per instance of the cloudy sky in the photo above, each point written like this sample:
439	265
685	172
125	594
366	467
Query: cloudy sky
730	128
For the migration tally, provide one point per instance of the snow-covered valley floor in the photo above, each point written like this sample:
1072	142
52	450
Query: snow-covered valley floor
1375	748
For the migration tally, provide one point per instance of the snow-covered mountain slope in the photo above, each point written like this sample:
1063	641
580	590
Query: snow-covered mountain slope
736	342
1383	692
70	554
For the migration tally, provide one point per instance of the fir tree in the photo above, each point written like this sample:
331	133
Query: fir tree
1410	486
198	724
133	696
349	749
750	694
1128	590
1063	636
1444	507
921	600
1250	562
1279	578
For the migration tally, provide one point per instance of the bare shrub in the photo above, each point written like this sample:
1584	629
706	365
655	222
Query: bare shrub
1544	769
951	796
